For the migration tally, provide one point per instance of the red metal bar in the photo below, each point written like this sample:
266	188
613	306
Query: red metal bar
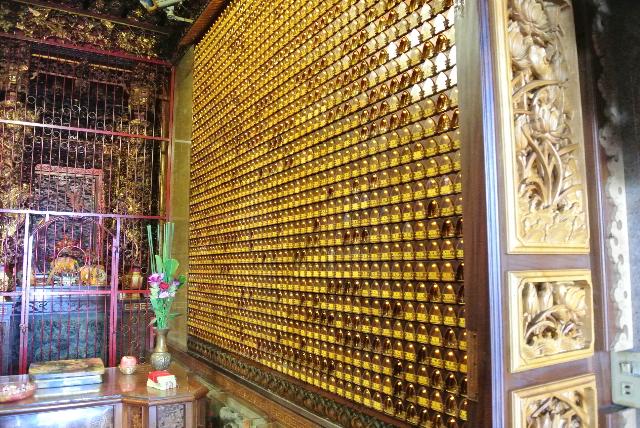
113	318
82	214
11	294
140	291
87	130
170	147
50	292
24	311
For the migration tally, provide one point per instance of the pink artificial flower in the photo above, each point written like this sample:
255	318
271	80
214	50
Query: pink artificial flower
176	283
164	286
164	295
156	278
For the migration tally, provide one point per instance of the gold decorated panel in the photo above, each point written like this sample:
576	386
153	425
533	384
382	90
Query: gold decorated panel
47	22
550	317
543	143
567	403
326	238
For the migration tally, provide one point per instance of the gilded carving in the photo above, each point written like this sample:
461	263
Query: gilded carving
14	75
568	403
42	23
551	317
546	184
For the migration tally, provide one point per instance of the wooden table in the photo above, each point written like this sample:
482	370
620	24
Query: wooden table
121	401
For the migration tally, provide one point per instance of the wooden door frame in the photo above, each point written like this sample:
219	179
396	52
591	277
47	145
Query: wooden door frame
488	260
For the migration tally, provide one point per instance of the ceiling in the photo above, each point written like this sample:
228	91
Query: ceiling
123	27
132	12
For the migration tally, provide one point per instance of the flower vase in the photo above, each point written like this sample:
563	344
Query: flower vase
160	357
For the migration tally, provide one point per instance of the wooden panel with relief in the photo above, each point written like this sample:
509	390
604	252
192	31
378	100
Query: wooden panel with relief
550	317
326	212
570	402
535	264
545	184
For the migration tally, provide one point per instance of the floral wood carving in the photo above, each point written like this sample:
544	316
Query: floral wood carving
568	403
551	317
42	23
546	186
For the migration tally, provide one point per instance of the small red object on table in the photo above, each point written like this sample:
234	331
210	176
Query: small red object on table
161	379
158	373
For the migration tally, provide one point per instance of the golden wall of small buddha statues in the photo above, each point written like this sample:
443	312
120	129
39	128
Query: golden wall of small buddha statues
326	208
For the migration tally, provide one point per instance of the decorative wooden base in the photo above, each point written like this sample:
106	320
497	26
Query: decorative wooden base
323	409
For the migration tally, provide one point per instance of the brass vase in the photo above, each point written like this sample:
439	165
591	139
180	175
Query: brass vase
160	357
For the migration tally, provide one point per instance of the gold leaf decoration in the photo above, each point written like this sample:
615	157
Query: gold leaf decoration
570	403
547	189
43	23
551	317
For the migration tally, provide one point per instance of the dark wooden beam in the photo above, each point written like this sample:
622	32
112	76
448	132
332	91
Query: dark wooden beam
203	22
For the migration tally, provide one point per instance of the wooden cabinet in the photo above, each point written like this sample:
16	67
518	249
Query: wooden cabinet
121	401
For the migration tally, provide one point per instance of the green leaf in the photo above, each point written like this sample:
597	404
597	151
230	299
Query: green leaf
170	267
150	239
159	264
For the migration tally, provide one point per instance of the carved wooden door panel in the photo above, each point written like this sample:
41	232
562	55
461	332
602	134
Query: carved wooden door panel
529	206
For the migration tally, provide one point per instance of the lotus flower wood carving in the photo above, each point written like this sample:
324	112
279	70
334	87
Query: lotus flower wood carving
558	412
548	187
554	317
551	317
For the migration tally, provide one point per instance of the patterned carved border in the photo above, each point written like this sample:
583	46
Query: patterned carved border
550	317
279	385
570	402
618	237
544	155
48	24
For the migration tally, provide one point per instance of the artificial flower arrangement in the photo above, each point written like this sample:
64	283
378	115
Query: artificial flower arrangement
163	281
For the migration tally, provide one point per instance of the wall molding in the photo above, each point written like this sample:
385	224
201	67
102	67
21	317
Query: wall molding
617	242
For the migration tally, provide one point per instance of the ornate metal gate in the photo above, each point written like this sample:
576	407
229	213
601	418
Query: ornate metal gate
83	167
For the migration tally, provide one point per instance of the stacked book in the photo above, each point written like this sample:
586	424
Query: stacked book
65	373
161	379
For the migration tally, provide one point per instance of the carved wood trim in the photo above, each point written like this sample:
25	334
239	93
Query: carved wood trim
338	412
280	414
544	149
47	23
550	317
569	402
616	232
